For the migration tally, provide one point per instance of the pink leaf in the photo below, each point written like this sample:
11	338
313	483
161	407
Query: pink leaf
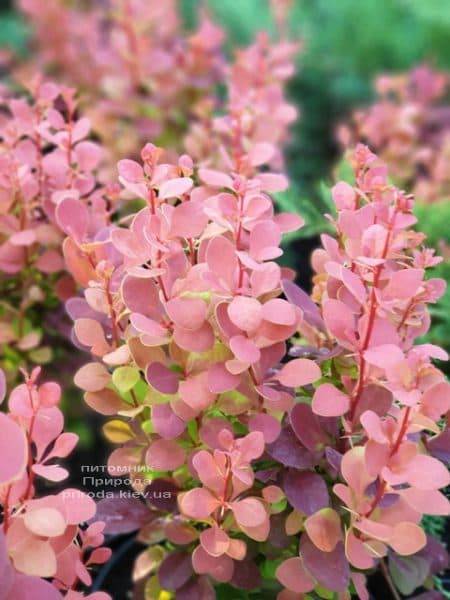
279	311
384	356
64	444
249	512
215	178
339	320
261	153
245	313
222	260
403	284
407	538
299	372
165	455
269	426
92	377
175	188
293	575
194	391
343	195
13	450
215	541
328	401
188	220
73	218
198	503
26	587
244	349
104	401
324	529
50	472
45	522
373	426
436	401
130	170
78	506
272	182
166	423
427	473
219	567
188	313
49	394
429	502
221	380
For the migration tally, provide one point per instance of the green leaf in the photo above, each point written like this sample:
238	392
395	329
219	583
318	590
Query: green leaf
192	428
125	378
268	568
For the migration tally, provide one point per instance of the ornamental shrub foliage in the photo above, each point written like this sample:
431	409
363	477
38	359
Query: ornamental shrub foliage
277	443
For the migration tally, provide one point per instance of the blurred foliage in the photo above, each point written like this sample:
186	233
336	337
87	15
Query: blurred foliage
434	222
345	44
13	31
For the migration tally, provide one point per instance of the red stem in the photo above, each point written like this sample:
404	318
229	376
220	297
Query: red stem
394	450
371	322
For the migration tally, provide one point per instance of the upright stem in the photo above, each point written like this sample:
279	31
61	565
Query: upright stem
401	434
373	305
388	579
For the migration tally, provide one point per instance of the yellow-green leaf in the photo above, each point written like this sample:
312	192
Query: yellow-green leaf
125	378
117	432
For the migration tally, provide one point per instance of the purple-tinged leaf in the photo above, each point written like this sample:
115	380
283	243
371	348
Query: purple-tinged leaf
266	475
300	298
246	575
308	429
166	423
329	568
334	459
436	555
277	534
306	491
408	572
161	378
287	450
317	354
439	446
198	589
162	494
375	398
387	500
122	515
175	571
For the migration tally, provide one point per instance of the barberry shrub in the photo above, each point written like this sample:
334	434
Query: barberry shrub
407	126
295	439
46	545
45	153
